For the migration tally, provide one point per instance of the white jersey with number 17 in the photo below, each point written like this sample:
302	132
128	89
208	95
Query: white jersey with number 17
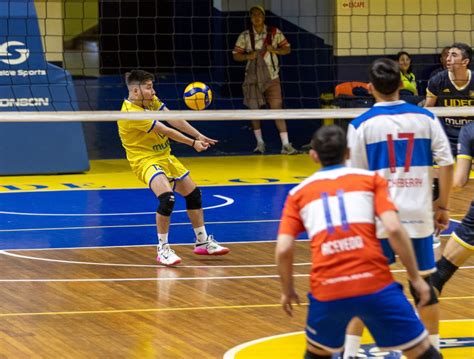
400	142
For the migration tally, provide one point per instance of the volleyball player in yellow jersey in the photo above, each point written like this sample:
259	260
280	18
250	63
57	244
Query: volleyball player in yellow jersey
148	151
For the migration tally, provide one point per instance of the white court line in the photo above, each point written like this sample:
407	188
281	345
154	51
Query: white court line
21	256
227	202
158	266
230	354
140	265
134	245
128	226
144	225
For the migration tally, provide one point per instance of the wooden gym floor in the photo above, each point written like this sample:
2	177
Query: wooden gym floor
78	275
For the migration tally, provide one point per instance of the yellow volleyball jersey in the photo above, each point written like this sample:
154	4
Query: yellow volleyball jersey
141	143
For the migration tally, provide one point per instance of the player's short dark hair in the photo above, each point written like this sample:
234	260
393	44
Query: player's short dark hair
384	74
138	77
466	50
330	143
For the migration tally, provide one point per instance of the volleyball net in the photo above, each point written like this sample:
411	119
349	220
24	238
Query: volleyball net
210	115
72	55
64	62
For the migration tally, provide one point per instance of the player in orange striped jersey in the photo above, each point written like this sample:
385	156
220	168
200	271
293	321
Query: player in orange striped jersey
337	207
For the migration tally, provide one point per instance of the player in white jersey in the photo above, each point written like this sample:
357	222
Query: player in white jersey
400	142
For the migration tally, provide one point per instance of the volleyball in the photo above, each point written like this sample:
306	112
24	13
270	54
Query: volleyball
197	96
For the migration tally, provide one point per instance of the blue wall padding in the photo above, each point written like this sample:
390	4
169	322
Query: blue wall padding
29	83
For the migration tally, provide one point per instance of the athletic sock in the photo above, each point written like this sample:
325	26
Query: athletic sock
284	138
162	238
351	346
434	340
201	234
446	269
258	135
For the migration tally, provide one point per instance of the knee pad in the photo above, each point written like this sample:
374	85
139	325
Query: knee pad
430	353
165	208
194	199
433	296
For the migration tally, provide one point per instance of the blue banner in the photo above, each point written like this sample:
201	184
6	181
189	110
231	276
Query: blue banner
29	83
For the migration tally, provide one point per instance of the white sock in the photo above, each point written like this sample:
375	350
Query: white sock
201	234
434	340
351	346
258	135
162	238
284	138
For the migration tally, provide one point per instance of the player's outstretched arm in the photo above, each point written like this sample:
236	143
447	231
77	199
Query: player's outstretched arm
179	137
186	127
284	258
401	244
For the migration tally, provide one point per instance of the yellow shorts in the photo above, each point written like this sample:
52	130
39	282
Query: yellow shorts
171	167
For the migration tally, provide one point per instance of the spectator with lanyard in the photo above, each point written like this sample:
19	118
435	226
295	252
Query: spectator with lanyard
259	47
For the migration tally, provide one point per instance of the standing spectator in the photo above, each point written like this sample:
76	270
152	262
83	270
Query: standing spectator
453	87
406	74
337	206
259	46
443	57
399	141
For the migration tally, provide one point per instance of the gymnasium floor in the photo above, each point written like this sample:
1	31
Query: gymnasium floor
78	265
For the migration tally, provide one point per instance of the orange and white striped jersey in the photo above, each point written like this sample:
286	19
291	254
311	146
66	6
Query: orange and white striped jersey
337	207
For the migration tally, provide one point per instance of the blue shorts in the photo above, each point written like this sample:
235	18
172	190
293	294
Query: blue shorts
387	314
423	251
464	232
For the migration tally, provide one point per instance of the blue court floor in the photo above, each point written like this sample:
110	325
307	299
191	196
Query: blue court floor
124	217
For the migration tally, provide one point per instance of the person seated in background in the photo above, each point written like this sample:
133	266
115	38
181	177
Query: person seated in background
406	74
442	59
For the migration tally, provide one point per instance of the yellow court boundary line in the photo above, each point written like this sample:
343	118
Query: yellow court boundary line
158	310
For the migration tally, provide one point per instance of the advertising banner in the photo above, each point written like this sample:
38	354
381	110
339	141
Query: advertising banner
29	83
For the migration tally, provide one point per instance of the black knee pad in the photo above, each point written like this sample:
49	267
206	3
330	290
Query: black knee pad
165	208
309	355
430	353
445	271
194	199
433	296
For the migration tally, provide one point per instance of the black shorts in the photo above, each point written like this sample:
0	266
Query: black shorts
464	232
